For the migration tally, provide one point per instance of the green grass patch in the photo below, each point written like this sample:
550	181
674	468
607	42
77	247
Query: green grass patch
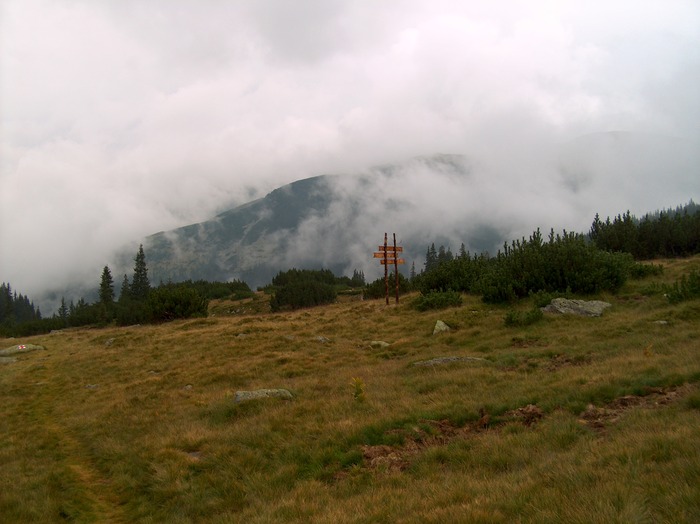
139	424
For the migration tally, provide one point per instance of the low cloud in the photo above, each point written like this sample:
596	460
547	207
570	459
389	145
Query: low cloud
124	119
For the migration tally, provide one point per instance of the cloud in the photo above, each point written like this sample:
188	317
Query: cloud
121	119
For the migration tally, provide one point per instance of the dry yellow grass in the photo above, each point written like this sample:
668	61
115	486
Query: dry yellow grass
138	424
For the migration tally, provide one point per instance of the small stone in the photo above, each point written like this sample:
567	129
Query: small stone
378	344
440	327
242	396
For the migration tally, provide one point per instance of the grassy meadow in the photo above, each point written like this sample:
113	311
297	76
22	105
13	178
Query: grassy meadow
565	420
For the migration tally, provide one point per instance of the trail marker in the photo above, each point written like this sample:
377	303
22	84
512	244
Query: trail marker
387	254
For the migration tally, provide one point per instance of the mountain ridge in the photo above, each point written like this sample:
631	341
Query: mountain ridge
334	221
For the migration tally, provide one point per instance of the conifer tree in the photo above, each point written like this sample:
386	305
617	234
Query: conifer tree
140	286
431	258
106	288
63	310
6	309
463	252
125	292
444	255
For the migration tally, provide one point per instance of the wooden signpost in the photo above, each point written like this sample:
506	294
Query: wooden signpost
389	255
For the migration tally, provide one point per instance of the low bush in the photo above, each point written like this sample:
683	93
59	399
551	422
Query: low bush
518	318
639	270
300	294
541	298
172	301
687	288
377	289
438	300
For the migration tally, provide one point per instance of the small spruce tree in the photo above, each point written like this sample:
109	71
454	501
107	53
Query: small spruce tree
125	292
63	311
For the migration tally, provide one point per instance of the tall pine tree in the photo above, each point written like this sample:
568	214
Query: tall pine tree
105	306
106	288
140	286
431	258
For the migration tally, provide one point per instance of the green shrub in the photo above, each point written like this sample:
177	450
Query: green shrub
687	288
639	271
496	287
518	319
377	289
304	293
565	262
172	301
541	298
130	312
438	300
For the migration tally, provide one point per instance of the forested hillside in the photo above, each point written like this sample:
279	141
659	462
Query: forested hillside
563	263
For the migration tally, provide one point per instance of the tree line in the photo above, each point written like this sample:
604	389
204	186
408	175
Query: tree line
670	233
565	262
138	302
569	262
16	308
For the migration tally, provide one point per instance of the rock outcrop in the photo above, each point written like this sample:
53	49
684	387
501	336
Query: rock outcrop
585	308
19	348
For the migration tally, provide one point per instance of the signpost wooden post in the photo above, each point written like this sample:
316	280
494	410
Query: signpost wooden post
389	255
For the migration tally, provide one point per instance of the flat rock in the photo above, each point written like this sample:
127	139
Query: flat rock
440	327
446	360
585	308
20	348
242	396
378	344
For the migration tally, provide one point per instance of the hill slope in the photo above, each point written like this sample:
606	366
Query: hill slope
569	419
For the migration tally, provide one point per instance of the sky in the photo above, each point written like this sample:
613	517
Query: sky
122	118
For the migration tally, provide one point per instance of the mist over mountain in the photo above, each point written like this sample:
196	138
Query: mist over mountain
328	221
336	221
